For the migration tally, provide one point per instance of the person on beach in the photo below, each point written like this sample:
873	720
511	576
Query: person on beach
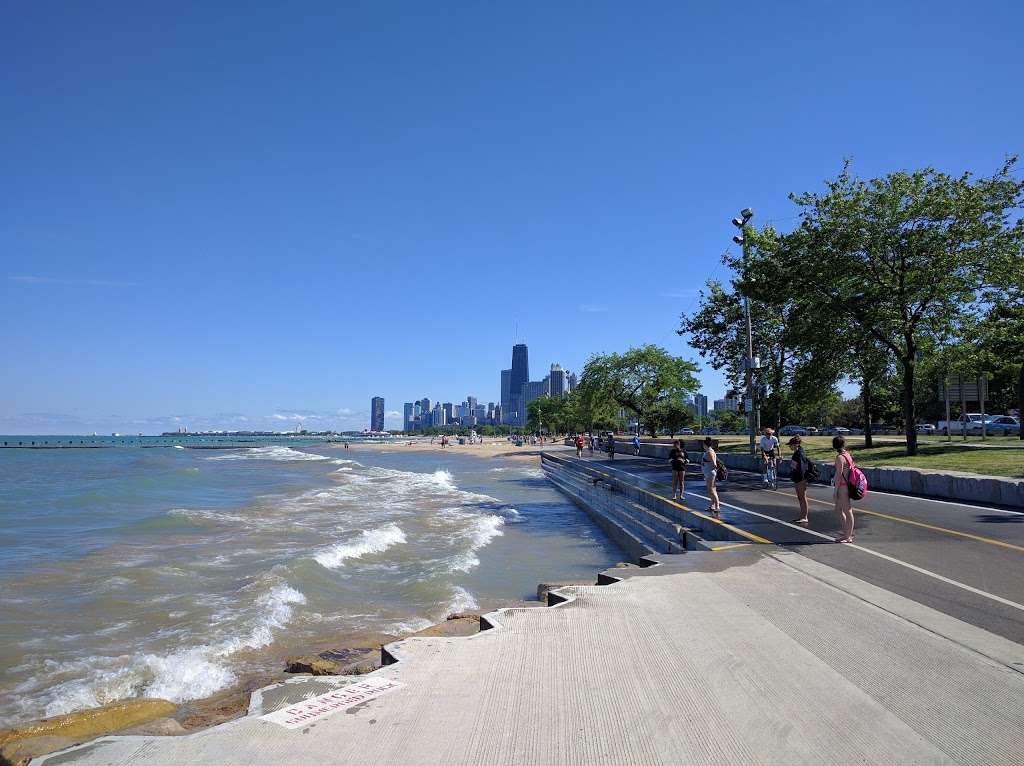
636	445
796	473
579	446
677	459
841	491
709	467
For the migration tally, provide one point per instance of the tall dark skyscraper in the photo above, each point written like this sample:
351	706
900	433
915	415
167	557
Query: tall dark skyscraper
377	413
519	377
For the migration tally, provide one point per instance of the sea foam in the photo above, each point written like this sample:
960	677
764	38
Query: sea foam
272	452
369	541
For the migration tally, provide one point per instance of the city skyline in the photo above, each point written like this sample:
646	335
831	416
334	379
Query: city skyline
510	408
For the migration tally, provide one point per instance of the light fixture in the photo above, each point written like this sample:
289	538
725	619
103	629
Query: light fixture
738	239
747	213
738	222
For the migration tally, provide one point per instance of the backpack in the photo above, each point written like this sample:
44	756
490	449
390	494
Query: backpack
856	481
811	472
721	472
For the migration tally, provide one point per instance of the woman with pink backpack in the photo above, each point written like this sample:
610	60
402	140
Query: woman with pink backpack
850	484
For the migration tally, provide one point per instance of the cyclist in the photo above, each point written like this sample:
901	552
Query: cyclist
770	455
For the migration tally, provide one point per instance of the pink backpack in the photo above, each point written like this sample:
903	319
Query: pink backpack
856	481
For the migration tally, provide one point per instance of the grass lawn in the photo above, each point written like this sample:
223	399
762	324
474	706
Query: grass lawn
1006	460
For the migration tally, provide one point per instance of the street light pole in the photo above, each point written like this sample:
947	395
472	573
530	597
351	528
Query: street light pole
750	364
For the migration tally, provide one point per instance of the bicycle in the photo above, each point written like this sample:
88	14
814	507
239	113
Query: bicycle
769	474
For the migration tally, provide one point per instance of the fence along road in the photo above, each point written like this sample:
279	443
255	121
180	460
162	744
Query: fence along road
964	560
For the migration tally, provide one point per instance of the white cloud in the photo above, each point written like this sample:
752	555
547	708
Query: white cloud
693	293
592	308
393	414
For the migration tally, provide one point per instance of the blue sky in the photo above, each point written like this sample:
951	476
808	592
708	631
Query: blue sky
231	215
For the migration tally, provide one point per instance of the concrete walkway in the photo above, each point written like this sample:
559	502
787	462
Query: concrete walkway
742	656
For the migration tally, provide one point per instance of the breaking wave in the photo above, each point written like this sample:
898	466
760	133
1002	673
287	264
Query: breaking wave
272	452
369	541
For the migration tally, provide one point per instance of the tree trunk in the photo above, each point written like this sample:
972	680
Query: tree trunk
777	386
908	402
865	395
1020	400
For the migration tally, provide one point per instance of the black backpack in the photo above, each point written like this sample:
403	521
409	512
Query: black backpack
811	472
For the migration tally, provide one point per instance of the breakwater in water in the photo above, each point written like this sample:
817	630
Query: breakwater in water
170	573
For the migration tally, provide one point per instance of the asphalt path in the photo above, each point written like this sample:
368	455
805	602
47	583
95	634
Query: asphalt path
961	559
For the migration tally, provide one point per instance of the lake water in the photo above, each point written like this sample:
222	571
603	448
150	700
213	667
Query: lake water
170	572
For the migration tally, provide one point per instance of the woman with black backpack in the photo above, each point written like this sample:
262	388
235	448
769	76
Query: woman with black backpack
798	472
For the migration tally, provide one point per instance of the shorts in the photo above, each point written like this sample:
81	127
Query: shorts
708	470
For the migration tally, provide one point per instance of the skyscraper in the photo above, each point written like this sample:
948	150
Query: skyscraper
506	394
573	381
520	376
557	385
700	405
409	417
377	413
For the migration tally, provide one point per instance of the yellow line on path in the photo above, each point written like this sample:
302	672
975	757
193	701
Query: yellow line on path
729	547
902	520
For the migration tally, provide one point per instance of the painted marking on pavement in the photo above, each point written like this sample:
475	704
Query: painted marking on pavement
741	532
308	711
947	502
902	520
908	565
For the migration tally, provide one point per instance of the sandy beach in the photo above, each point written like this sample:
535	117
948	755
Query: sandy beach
490	448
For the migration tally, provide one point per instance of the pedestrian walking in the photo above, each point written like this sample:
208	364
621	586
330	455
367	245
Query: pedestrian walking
636	445
799	474
677	459
841	493
580	443
611	446
590	443
709	467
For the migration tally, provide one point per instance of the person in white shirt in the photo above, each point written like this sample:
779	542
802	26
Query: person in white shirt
770	455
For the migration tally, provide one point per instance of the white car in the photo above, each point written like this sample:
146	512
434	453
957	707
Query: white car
926	428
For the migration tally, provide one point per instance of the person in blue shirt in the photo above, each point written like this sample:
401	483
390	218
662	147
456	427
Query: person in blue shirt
636	444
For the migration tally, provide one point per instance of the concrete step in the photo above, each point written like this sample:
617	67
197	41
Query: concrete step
730	659
659	533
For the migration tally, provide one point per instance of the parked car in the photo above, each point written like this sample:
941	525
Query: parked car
837	431
686	432
792	431
969	423
810	430
926	428
1003	425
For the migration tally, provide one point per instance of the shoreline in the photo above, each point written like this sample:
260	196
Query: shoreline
352	655
343	654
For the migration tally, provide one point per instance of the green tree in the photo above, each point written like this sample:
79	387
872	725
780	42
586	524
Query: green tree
671	415
1000	331
900	257
640	379
546	413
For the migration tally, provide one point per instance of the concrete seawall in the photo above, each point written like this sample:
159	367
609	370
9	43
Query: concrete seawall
946	485
641	522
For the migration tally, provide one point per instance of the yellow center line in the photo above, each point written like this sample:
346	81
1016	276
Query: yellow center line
712	519
729	547
902	520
